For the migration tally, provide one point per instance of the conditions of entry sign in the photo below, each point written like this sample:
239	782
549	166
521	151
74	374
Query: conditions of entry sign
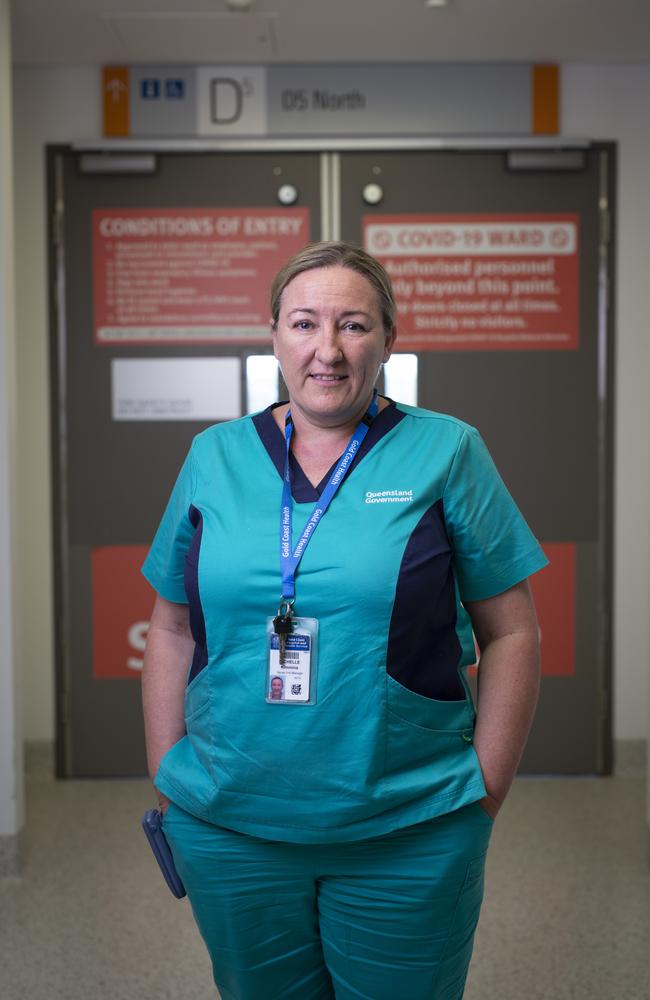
481	283
189	275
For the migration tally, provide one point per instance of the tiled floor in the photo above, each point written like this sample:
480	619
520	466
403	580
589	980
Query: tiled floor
567	911
567	907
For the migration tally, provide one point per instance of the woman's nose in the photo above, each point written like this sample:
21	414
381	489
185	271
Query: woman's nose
328	350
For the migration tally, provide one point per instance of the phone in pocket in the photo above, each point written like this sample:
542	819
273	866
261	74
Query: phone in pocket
152	826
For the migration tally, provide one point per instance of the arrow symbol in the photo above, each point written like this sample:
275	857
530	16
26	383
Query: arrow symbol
115	88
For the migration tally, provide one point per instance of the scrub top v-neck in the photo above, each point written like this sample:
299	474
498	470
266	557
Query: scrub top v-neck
302	490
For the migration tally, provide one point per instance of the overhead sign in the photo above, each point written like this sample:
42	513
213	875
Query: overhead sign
481	282
399	100
189	275
325	100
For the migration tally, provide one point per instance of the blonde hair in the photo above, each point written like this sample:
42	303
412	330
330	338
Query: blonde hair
336	254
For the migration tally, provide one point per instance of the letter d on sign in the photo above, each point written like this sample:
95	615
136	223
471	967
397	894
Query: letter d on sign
226	100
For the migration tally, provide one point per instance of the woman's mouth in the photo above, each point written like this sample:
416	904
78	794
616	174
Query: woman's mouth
321	377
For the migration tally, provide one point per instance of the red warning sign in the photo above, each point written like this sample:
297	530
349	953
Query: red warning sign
189	275
122	603
481	282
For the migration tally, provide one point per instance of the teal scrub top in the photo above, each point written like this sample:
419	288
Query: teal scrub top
421	524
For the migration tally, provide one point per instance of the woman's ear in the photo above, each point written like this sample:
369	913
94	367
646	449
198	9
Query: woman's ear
390	343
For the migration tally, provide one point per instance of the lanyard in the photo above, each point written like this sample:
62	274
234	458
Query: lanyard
288	561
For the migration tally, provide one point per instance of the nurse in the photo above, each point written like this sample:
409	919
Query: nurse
328	787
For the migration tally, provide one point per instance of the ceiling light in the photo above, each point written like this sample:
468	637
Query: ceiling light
436	3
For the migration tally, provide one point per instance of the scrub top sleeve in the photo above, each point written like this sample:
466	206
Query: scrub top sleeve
165	563
493	546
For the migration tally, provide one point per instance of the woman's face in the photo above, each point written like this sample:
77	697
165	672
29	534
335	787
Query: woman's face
330	342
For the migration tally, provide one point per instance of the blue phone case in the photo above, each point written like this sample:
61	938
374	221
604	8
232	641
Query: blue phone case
152	826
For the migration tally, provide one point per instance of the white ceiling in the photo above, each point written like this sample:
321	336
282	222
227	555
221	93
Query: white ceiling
129	31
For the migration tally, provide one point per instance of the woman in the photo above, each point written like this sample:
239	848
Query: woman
332	840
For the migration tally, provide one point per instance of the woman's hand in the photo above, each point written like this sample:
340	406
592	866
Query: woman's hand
163	802
508	684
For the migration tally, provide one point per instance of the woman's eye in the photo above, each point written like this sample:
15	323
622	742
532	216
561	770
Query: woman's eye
353	327
303	324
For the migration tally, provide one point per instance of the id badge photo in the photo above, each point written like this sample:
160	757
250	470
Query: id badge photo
292	682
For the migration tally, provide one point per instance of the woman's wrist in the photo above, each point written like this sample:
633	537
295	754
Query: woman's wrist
490	805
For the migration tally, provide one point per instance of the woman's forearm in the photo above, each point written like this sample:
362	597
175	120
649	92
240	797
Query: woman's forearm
508	688
164	675
506	629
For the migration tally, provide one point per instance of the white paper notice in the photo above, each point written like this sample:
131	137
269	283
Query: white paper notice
176	388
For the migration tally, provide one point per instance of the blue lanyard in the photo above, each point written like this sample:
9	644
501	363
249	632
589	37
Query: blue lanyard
288	561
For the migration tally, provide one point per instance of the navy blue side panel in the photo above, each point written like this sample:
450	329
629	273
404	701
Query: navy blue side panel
197	621
301	489
423	648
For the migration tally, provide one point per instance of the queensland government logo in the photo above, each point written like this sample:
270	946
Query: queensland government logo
389	496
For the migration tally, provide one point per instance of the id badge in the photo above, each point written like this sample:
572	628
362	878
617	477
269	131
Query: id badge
294	683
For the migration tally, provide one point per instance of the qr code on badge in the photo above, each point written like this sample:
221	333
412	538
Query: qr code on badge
296	689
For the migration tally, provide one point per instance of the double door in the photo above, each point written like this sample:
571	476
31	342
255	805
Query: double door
160	266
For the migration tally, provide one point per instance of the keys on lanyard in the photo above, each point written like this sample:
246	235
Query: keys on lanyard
282	627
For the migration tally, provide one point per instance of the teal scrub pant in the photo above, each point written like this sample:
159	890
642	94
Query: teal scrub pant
380	919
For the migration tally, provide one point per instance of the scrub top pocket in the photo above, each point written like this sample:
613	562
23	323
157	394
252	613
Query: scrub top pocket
427	741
